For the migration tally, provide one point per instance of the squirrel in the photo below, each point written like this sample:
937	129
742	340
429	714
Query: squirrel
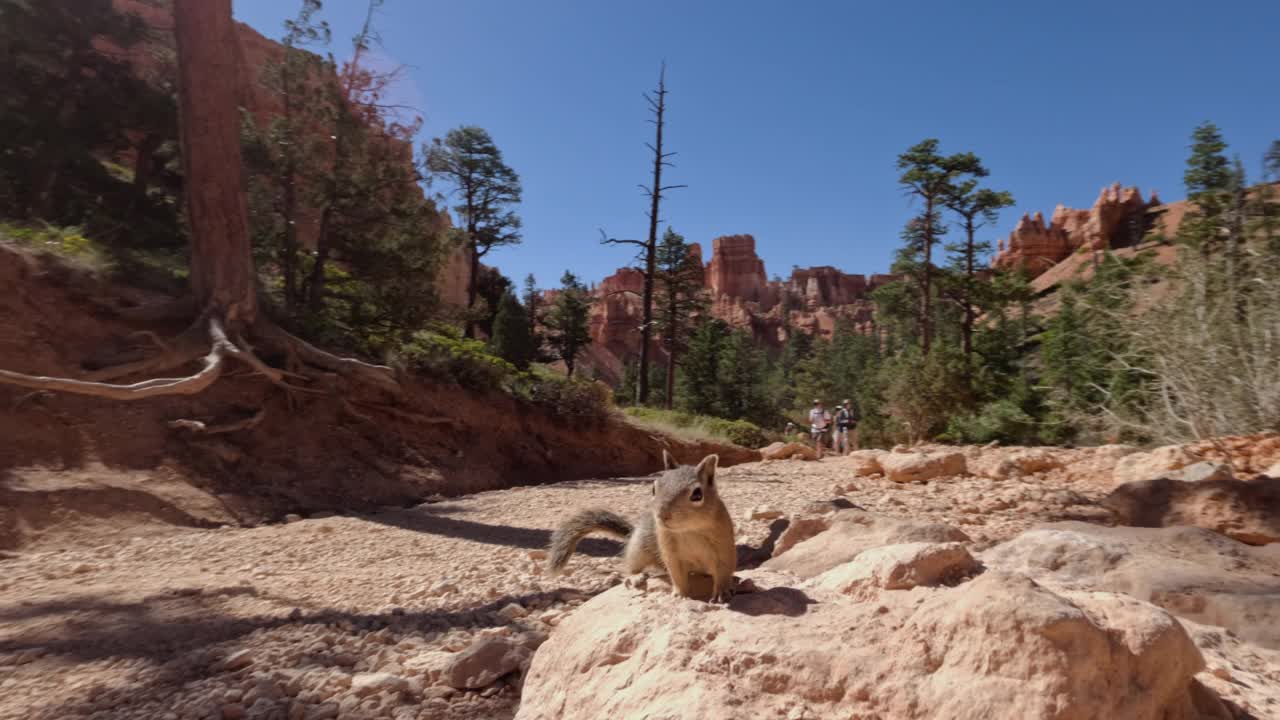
687	529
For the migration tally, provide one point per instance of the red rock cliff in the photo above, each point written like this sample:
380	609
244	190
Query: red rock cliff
1119	218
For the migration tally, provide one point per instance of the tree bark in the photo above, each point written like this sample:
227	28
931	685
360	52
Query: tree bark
222	278
966	328
473	288
926	301
651	245
315	284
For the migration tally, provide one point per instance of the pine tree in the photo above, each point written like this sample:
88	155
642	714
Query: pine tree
1208	179
486	188
699	382
569	321
292	153
680	297
976	207
511	339
930	178
740	379
532	299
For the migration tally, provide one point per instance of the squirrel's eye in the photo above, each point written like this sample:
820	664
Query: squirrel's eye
696	495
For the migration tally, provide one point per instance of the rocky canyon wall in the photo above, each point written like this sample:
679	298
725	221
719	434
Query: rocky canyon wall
1119	218
812	300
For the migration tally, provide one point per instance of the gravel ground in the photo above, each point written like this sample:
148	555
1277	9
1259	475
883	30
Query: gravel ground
383	615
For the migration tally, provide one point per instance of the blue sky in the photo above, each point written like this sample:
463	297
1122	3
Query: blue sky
788	117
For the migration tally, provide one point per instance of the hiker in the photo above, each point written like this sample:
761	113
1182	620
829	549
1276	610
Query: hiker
819	419
846	420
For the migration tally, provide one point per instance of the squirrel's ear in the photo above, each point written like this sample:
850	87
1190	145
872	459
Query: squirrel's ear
668	462
707	468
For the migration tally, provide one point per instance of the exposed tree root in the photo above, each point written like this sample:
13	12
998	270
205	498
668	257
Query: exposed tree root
191	344
200	428
399	414
379	376
190	385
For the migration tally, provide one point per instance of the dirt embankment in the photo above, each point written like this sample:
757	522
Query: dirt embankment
67	458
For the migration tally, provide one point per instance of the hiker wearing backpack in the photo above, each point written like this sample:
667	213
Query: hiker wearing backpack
819	423
846	420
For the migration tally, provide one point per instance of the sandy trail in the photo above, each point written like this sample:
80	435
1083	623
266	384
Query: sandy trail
289	620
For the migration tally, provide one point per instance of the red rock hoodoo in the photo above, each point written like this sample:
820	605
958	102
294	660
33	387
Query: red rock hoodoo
1119	218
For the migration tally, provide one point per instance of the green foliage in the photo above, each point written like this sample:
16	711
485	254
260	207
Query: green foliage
700	427
448	356
569	397
569	321
1002	420
922	392
511	339
66	106
470	163
68	242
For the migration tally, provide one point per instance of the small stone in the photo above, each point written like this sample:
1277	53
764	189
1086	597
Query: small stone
513	611
292	518
538	555
238	660
766	513
369	683
1202	472
486	660
1221	673
233	711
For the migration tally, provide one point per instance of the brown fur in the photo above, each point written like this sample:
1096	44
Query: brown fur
679	534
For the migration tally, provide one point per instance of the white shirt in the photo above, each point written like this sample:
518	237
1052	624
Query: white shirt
819	419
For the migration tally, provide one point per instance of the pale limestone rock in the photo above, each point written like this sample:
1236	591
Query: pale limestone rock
1193	573
996	646
1149	465
916	467
899	567
837	538
1248	511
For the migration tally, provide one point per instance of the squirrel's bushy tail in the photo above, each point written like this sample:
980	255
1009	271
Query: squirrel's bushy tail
566	537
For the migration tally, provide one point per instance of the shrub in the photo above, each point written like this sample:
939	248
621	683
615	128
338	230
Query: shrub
699	427
446	355
923	391
1002	420
67	242
738	432
571	397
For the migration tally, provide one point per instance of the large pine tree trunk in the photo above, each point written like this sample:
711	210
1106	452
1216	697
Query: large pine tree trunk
222	279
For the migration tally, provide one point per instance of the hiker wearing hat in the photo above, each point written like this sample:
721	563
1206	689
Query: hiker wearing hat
819	420
846	420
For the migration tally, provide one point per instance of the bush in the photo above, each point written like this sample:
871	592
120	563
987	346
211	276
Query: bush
699	427
572	397
922	392
448	356
67	242
739	432
1002	420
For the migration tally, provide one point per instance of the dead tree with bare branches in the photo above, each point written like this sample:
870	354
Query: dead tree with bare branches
647	256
